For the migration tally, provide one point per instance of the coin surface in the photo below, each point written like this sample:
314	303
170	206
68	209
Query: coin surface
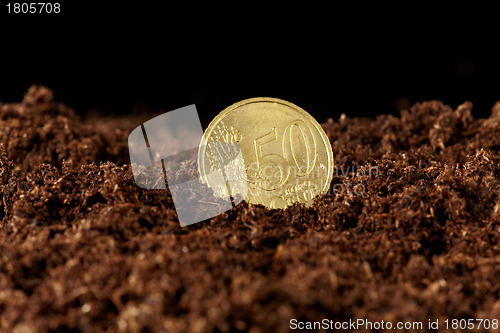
287	155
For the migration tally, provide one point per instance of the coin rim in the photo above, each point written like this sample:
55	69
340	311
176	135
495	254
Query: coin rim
232	107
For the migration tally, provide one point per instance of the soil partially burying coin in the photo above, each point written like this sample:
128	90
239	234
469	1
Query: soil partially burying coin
82	248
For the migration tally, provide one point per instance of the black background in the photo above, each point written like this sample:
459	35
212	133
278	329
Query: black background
359	59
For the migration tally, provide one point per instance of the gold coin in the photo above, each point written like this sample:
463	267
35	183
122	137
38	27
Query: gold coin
287	155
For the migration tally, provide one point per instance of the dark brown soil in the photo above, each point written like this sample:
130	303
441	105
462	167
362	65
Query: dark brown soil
82	248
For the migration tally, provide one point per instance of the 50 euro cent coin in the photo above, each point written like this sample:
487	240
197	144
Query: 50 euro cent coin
284	155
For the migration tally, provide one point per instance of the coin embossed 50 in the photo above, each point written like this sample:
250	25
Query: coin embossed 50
287	155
